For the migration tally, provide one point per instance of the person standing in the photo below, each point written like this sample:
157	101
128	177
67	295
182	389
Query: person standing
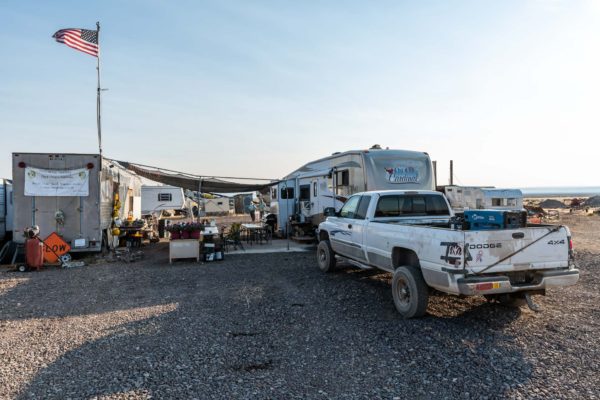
261	208
252	210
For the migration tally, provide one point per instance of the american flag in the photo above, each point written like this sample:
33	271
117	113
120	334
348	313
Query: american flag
79	39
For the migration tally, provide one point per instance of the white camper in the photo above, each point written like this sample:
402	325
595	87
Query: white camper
217	206
474	197
158	198
72	195
303	195
6	209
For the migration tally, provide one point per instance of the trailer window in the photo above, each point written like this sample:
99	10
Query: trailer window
315	189
287	193
304	192
165	197
504	202
416	205
342	178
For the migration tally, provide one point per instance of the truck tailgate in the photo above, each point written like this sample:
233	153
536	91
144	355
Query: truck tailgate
533	248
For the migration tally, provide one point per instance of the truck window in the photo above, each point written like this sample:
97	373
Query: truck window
411	205
363	206
349	209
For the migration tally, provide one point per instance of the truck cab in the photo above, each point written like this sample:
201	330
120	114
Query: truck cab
348	227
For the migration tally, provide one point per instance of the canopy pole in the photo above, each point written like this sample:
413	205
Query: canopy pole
198	197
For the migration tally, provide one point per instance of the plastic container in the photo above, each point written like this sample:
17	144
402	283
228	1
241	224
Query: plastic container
34	253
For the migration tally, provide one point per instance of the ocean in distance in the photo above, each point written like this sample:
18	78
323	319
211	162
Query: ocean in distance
564	191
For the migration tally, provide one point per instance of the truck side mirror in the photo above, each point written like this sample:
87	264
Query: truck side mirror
329	212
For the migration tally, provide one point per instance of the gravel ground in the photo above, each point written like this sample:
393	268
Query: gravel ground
274	326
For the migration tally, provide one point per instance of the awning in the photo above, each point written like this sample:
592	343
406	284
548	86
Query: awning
195	182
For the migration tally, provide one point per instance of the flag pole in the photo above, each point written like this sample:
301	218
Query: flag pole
98	121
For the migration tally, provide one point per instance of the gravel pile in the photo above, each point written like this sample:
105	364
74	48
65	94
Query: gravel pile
592	202
552	203
274	326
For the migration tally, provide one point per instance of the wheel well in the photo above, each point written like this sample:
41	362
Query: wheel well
402	256
323	235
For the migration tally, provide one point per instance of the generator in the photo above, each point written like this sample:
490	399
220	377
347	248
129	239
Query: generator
482	220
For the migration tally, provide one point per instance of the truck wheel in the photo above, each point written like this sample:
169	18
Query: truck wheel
410	292
325	256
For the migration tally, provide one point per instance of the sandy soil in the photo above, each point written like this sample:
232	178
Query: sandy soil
585	230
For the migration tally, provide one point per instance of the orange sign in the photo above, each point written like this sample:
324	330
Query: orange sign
54	246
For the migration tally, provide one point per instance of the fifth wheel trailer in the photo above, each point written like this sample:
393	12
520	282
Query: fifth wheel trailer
303	195
72	195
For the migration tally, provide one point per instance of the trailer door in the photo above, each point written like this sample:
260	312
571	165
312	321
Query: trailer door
287	202
314	197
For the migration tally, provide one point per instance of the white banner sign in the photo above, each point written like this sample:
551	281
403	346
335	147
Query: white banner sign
56	182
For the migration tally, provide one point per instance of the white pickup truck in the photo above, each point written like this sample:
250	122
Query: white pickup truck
412	235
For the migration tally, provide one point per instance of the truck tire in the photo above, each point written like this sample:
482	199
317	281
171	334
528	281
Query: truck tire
410	292
325	256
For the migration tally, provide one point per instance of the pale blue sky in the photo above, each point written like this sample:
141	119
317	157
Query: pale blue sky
508	89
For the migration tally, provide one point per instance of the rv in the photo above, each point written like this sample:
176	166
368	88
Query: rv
218	206
6	209
303	196
158	198
473	197
72	195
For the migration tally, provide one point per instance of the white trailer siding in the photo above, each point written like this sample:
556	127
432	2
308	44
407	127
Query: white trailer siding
218	206
157	198
472	197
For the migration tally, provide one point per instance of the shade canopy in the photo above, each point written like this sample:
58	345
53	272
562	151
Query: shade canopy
196	182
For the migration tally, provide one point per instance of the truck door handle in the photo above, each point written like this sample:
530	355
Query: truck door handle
518	235
349	226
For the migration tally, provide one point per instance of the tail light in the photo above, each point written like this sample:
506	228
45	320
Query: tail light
571	254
